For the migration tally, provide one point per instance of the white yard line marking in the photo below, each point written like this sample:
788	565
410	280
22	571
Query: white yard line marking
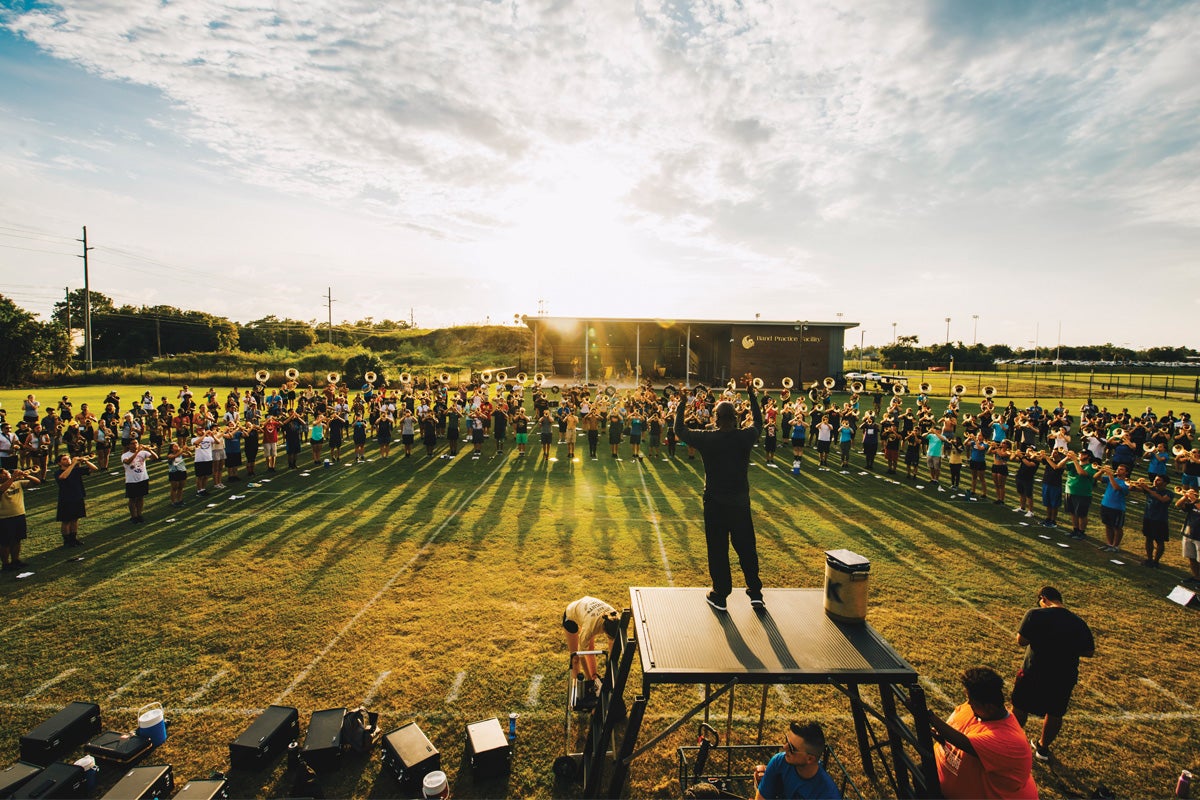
374	690
417	556
1167	693
934	688
455	688
662	549
535	690
782	691
208	684
59	678
122	689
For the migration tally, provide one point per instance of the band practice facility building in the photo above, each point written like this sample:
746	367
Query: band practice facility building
686	351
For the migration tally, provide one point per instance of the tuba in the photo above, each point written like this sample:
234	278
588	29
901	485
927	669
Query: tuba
1149	447
757	383
1178	451
829	383
898	389
926	388
958	390
989	392
333	378
485	376
787	383
262	376
370	377
538	379
501	377
444	378
857	387
405	378
291	373
521	378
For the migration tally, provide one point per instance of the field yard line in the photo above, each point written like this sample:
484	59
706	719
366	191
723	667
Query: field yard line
662	550
122	689
337	637
535	690
934	688
782	691
455	688
1167	693
62	676
374	690
208	684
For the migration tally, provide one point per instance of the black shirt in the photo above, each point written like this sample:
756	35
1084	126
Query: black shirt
726	453
1057	639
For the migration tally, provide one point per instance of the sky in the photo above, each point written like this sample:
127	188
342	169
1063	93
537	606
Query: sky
1019	166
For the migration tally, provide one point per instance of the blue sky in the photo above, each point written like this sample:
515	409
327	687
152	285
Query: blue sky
1031	163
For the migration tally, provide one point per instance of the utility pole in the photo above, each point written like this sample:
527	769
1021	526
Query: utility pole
87	303
329	307
158	335
67	297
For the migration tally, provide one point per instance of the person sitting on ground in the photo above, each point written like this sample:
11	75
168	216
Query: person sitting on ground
797	772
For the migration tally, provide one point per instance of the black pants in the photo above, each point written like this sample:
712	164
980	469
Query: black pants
727	521
869	451
593	440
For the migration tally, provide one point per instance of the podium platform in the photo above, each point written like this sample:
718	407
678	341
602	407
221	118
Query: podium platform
680	639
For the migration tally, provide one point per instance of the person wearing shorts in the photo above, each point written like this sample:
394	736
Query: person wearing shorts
936	444
1154	519
13	526
1189	503
824	439
137	477
1054	639
799	435
1112	505
1080	481
177	473
1052	486
977	451
202	447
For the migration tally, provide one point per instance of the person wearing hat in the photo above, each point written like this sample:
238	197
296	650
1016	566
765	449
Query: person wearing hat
726	454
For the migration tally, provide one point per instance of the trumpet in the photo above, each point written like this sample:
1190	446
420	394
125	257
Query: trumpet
787	383
333	378
898	389
262	376
444	378
1178	451
829	383
486	376
958	390
521	378
538	379
405	378
926	388
501	377
757	383
370	377
291	373
857	387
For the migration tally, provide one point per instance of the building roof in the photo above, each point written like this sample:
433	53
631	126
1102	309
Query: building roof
528	320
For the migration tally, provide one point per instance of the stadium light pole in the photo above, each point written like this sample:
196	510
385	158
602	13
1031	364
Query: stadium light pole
975	331
893	334
947	330
862	359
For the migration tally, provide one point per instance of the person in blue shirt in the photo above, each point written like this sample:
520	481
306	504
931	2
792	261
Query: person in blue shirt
797	771
1112	507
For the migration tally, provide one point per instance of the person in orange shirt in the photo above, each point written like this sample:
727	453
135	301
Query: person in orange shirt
981	750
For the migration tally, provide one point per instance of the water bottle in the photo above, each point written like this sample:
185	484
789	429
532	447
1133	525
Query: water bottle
1183	787
512	726
92	772
796	467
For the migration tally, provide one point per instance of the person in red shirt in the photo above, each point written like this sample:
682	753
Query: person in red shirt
270	438
981	750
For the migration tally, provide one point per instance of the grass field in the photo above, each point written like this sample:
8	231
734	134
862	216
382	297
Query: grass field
432	590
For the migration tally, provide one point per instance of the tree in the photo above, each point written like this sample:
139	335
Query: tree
28	344
101	304
271	333
357	366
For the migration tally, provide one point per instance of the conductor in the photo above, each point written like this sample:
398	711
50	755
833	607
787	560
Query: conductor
726	454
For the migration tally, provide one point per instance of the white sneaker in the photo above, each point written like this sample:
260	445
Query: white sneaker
218	486
1029	513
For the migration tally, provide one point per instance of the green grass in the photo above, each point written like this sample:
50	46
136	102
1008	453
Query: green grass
390	579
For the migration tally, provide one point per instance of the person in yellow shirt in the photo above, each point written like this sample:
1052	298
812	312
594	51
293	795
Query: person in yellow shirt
13	528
